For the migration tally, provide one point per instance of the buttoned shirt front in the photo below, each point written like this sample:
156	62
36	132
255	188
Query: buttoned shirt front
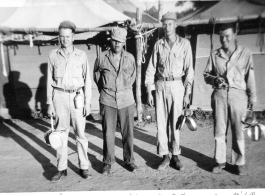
115	82
238	70
174	62
70	72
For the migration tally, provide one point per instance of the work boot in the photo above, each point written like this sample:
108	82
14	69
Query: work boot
85	173
131	167
165	162
218	168
106	169
175	162
241	170
58	175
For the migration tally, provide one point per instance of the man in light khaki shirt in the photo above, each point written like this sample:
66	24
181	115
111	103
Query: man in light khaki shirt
68	74
230	71
170	73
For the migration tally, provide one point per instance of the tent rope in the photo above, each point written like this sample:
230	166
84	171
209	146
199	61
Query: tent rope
260	36
213	21
143	38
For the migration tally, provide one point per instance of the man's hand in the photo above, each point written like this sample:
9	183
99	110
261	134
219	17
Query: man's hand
86	110
251	105
150	100
186	100
51	111
218	81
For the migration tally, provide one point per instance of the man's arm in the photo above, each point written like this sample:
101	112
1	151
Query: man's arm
209	76
50	110
87	87
189	71
150	75
250	82
151	69
96	72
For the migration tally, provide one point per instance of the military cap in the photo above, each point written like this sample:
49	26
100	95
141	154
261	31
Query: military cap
119	34
67	24
169	16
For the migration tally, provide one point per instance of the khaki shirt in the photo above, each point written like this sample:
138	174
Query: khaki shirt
68	73
174	62
115	83
238	70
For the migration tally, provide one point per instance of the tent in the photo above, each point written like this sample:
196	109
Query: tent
249	16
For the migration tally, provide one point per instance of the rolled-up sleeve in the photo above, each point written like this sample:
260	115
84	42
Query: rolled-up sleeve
189	71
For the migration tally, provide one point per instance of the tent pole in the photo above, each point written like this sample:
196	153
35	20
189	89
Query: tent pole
139	51
6	30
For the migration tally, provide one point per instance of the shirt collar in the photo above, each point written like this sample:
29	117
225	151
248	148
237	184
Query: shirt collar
76	51
236	52
109	54
165	43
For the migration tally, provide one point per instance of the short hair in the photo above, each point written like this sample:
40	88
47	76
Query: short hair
226	26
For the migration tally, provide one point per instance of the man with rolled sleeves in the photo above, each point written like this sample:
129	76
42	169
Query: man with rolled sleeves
170	73
230	70
68	74
114	74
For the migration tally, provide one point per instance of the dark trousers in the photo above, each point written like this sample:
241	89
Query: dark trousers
110	118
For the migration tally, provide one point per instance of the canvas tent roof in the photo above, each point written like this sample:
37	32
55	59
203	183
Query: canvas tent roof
227	9
49	14
128	8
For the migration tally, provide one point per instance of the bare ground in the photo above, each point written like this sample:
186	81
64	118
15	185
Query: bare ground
27	163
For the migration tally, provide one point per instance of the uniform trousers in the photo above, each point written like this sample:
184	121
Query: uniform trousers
66	113
169	104
229	105
110	118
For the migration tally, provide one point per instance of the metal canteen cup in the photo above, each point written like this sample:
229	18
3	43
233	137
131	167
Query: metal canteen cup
79	100
190	122
249	120
256	132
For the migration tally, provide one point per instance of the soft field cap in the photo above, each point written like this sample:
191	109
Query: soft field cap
119	34
67	24
169	16
56	140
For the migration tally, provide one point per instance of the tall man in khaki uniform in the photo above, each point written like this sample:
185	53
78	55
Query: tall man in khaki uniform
170	65
114	74
68	73
230	70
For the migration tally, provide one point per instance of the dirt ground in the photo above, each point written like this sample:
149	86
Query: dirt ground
27	163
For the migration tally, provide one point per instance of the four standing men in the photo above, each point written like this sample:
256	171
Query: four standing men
171	70
170	73
68	73
230	70
114	74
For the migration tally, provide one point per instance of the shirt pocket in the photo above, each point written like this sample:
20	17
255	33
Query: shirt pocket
177	60
77	71
238	74
58	70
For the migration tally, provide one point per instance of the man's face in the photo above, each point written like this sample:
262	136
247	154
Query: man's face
117	46
169	27
227	38
66	37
